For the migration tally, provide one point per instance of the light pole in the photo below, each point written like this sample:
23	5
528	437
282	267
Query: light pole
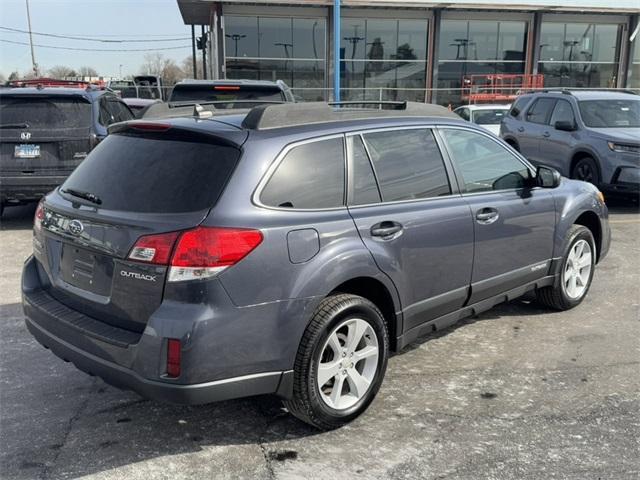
120	71
336	50
33	56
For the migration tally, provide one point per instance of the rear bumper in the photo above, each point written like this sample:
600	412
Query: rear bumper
121	377
216	363
25	188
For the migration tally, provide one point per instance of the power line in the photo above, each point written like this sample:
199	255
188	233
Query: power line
93	39
98	49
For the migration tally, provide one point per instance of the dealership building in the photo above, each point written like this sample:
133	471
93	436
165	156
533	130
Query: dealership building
448	52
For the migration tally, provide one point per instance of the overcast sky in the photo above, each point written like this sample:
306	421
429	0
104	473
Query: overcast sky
106	19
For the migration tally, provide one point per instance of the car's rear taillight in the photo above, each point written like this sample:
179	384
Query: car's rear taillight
39	216
205	251
199	253
154	249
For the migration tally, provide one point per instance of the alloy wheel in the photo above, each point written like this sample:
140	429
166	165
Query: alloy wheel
577	269
348	363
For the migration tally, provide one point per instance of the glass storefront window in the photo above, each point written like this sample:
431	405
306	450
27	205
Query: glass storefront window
582	55
477	47
278	48
383	59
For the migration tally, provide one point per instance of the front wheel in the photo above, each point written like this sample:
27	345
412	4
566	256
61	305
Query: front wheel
586	170
578	265
340	363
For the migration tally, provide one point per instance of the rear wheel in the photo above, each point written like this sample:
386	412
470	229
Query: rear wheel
578	265
586	170
340	363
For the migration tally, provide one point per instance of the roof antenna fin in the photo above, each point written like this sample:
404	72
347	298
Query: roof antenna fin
200	112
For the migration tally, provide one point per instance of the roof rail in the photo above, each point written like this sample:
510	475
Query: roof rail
266	117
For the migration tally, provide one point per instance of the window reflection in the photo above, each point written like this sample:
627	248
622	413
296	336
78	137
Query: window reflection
477	47
278	48
579	54
383	59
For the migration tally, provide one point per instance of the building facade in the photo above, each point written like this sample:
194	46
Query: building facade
420	51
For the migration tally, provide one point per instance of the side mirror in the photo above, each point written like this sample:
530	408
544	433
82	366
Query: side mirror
565	126
548	177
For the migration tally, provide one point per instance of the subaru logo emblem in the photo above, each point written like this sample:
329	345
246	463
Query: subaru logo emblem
75	227
25	135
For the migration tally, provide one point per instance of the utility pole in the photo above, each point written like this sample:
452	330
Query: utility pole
204	53
33	57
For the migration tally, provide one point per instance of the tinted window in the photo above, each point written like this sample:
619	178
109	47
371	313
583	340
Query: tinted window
489	117
310	176
484	164
518	106
121	112
464	113
563	112
364	189
540	110
148	175
610	113
45	112
408	164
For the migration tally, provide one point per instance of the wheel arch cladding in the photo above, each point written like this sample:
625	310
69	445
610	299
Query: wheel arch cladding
377	293
590	220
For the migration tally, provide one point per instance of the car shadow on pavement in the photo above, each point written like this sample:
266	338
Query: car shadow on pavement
18	218
622	204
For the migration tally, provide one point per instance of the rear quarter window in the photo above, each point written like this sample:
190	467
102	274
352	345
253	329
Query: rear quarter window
310	176
152	175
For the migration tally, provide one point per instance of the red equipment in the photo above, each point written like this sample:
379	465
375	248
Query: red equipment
498	87
53	82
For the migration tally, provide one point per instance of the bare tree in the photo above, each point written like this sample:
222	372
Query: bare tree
61	71
157	64
87	72
187	67
14	76
3	79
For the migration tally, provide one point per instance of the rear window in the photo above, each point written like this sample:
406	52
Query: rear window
153	175
224	93
45	112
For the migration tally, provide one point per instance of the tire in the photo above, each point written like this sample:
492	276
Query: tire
586	169
560	296
334	320
513	145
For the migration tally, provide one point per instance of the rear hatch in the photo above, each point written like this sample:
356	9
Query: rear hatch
139	185
43	134
227	95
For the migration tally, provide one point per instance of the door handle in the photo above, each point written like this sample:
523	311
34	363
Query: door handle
546	134
521	129
486	216
386	230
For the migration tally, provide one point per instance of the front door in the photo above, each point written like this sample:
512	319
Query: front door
514	223
418	231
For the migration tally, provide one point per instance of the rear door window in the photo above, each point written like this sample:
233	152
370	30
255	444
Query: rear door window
518	106
45	112
154	175
311	176
540	111
408	164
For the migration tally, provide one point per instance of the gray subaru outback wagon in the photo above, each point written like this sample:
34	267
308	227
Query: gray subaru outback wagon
289	249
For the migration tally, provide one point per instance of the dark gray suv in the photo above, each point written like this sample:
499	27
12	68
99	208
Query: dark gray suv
587	135
288	250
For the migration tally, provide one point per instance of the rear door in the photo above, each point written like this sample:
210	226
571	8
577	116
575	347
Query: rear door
536	123
419	231
556	145
43	134
145	185
514	224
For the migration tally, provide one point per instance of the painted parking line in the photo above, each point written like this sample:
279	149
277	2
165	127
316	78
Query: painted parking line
625	221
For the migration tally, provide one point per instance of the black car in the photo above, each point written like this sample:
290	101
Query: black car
45	132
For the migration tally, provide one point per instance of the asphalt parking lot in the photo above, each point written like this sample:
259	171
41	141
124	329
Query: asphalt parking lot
519	392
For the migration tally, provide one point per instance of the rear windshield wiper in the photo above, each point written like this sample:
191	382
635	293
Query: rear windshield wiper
14	125
91	197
